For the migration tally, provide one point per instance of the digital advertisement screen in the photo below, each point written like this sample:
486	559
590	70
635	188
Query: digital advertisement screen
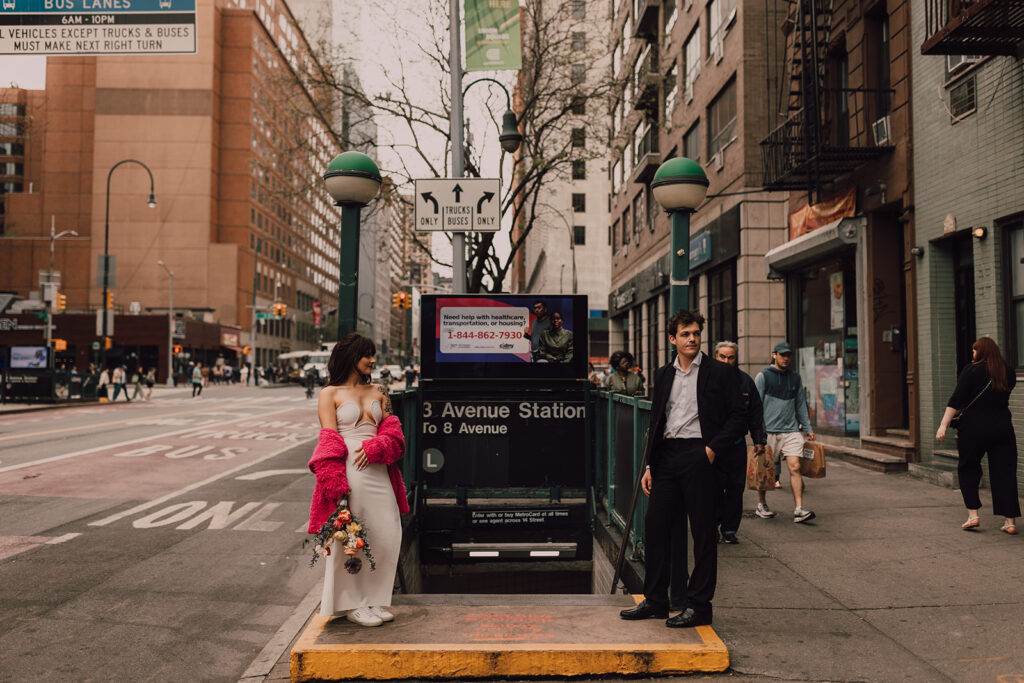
504	336
28	357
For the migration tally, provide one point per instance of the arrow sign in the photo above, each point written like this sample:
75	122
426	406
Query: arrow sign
430	198
438	204
488	196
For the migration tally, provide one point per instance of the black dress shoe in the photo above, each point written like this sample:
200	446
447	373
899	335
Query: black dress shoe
729	537
644	610
689	617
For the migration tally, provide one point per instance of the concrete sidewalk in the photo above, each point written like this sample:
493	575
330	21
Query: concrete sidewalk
882	586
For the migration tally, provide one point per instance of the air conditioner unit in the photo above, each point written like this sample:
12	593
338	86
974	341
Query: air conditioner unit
880	128
957	63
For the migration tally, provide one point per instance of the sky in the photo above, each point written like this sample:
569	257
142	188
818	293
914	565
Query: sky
25	72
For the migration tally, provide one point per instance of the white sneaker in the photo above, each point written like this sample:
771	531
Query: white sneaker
364	616
802	514
383	614
763	512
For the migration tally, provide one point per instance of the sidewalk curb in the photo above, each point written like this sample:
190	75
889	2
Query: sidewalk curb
50	406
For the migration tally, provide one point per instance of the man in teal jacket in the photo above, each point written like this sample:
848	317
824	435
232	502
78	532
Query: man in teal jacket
785	415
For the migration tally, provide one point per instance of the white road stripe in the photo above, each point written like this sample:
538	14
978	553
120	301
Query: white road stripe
163	499
191	428
253	476
60	539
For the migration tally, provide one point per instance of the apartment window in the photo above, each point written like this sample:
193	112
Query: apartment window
617	176
1014	232
579	137
252	241
652	210
579	41
579	9
722	304
839	102
691	60
579	234
670	11
625	227
578	105
614	236
671	91
616	59
720	16
963	97
691	142
12	149
639	207
579	169
579	74
579	202
877	44
617	118
722	118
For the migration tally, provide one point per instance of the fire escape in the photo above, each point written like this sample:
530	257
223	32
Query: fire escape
827	132
978	27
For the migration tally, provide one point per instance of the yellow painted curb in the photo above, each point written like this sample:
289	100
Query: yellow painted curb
310	661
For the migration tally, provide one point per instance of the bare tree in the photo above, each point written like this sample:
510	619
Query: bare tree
550	96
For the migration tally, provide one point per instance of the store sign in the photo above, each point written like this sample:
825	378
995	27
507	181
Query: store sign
229	338
700	249
625	297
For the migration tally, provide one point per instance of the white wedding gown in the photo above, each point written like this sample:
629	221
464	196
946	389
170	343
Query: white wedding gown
372	502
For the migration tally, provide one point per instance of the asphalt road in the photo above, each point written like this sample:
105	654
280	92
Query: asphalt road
154	540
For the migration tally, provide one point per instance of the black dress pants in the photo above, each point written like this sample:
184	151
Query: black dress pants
971	446
731	467
685	489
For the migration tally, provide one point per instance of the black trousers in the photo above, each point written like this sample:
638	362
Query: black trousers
731	468
685	489
1002	470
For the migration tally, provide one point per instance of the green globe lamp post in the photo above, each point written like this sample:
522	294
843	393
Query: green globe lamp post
680	186
352	180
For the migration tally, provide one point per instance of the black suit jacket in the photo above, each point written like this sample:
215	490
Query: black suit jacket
720	407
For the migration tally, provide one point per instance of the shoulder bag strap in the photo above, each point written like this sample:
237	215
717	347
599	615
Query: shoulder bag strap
983	390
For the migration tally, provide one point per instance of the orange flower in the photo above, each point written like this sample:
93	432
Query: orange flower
360	543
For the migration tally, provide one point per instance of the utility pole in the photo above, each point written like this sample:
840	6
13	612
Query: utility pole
457	129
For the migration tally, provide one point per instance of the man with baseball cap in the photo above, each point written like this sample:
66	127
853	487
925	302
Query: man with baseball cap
785	415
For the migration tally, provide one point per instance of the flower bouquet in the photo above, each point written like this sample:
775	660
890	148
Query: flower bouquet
342	530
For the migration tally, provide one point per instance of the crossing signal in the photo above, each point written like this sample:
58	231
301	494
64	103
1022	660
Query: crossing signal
110	299
60	344
62	302
107	343
177	349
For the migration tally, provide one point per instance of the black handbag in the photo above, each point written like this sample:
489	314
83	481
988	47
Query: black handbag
955	422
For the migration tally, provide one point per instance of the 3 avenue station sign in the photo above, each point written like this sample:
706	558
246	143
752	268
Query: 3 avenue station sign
97	27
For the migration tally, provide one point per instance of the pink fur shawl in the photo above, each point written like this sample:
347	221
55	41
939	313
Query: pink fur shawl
328	464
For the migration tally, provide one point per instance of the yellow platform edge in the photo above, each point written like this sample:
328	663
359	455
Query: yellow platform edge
389	661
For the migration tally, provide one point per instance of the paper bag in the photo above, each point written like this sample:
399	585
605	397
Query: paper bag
812	464
760	470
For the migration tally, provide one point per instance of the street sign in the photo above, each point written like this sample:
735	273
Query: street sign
110	322
457	204
92	27
264	315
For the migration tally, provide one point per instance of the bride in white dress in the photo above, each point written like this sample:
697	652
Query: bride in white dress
355	408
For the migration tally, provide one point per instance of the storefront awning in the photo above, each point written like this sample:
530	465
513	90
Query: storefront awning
815	244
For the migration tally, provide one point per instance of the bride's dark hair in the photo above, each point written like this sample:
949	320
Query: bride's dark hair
346	355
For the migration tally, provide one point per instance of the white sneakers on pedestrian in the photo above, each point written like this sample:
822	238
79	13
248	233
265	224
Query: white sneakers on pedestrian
364	616
383	614
763	512
802	514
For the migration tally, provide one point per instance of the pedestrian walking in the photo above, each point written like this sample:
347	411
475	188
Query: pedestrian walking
197	380
623	380
696	413
120	382
103	385
785	415
150	381
139	380
356	457
410	376
981	405
243	375
731	466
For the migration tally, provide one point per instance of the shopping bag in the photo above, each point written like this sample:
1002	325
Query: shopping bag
812	464
760	470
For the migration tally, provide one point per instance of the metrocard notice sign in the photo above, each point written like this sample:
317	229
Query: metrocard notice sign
97	27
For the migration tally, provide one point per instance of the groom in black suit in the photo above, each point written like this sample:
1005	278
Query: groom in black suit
696	412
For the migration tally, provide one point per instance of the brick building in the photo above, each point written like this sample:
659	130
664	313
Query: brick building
693	75
236	145
969	172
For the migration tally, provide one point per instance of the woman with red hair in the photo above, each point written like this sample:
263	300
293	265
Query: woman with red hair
982	399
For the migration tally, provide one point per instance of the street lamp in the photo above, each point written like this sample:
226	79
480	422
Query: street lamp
106	247
54	236
255	286
680	186
353	180
170	326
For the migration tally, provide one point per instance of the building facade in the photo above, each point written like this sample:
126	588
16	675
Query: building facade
693	80
969	172
236	143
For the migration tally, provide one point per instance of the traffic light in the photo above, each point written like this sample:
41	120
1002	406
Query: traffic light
107	343
60	344
246	350
396	300
110	299
280	309
62	302
177	349
406	300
